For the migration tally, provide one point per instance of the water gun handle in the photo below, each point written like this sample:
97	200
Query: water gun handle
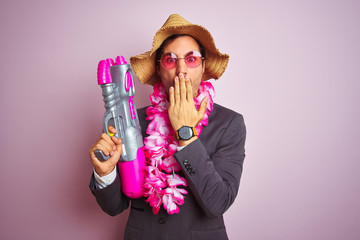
101	156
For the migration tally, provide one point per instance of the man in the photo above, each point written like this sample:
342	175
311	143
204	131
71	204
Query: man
194	147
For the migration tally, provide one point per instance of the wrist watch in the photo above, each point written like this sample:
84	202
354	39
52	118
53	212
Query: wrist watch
185	133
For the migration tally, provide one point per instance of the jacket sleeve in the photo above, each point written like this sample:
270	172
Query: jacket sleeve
215	180
110	199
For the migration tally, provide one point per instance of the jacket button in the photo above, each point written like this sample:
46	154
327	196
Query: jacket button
162	220
186	162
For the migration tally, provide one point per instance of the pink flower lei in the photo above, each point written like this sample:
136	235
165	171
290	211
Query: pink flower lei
162	184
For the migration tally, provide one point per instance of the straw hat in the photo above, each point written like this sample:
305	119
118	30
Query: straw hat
144	64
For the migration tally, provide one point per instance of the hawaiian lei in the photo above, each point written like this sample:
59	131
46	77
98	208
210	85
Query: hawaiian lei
161	183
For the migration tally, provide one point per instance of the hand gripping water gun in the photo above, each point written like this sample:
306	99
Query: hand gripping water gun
118	91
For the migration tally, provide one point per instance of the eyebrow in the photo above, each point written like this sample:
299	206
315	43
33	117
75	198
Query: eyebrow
187	54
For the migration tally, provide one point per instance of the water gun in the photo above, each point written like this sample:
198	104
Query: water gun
116	81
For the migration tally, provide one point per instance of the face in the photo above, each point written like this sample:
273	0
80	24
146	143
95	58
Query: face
181	46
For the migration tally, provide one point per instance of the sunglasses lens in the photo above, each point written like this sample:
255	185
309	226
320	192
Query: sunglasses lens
192	61
168	61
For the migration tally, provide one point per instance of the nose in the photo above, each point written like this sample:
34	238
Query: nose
181	67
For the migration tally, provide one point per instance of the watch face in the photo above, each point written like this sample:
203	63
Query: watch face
185	133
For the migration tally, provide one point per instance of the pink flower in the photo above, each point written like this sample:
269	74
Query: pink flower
157	126
176	180
172	148
170	204
170	164
156	178
155	140
152	153
172	197
153	111
155	201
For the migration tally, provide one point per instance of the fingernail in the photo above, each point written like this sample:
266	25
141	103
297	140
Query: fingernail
176	78
181	75
187	78
114	148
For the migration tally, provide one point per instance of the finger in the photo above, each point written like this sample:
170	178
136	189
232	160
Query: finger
115	155
177	90
118	145
91	152
202	109
107	139
106	145
117	141
189	91
171	96
182	87
112	129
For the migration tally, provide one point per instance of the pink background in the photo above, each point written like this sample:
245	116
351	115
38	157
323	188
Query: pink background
293	74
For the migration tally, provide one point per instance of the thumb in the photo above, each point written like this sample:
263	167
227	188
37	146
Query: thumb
202	108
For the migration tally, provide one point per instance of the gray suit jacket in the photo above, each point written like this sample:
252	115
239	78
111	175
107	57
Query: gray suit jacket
212	165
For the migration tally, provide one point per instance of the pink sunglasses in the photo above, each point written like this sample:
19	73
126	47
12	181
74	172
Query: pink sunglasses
192	59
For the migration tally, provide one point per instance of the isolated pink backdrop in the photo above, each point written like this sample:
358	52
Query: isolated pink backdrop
293	74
